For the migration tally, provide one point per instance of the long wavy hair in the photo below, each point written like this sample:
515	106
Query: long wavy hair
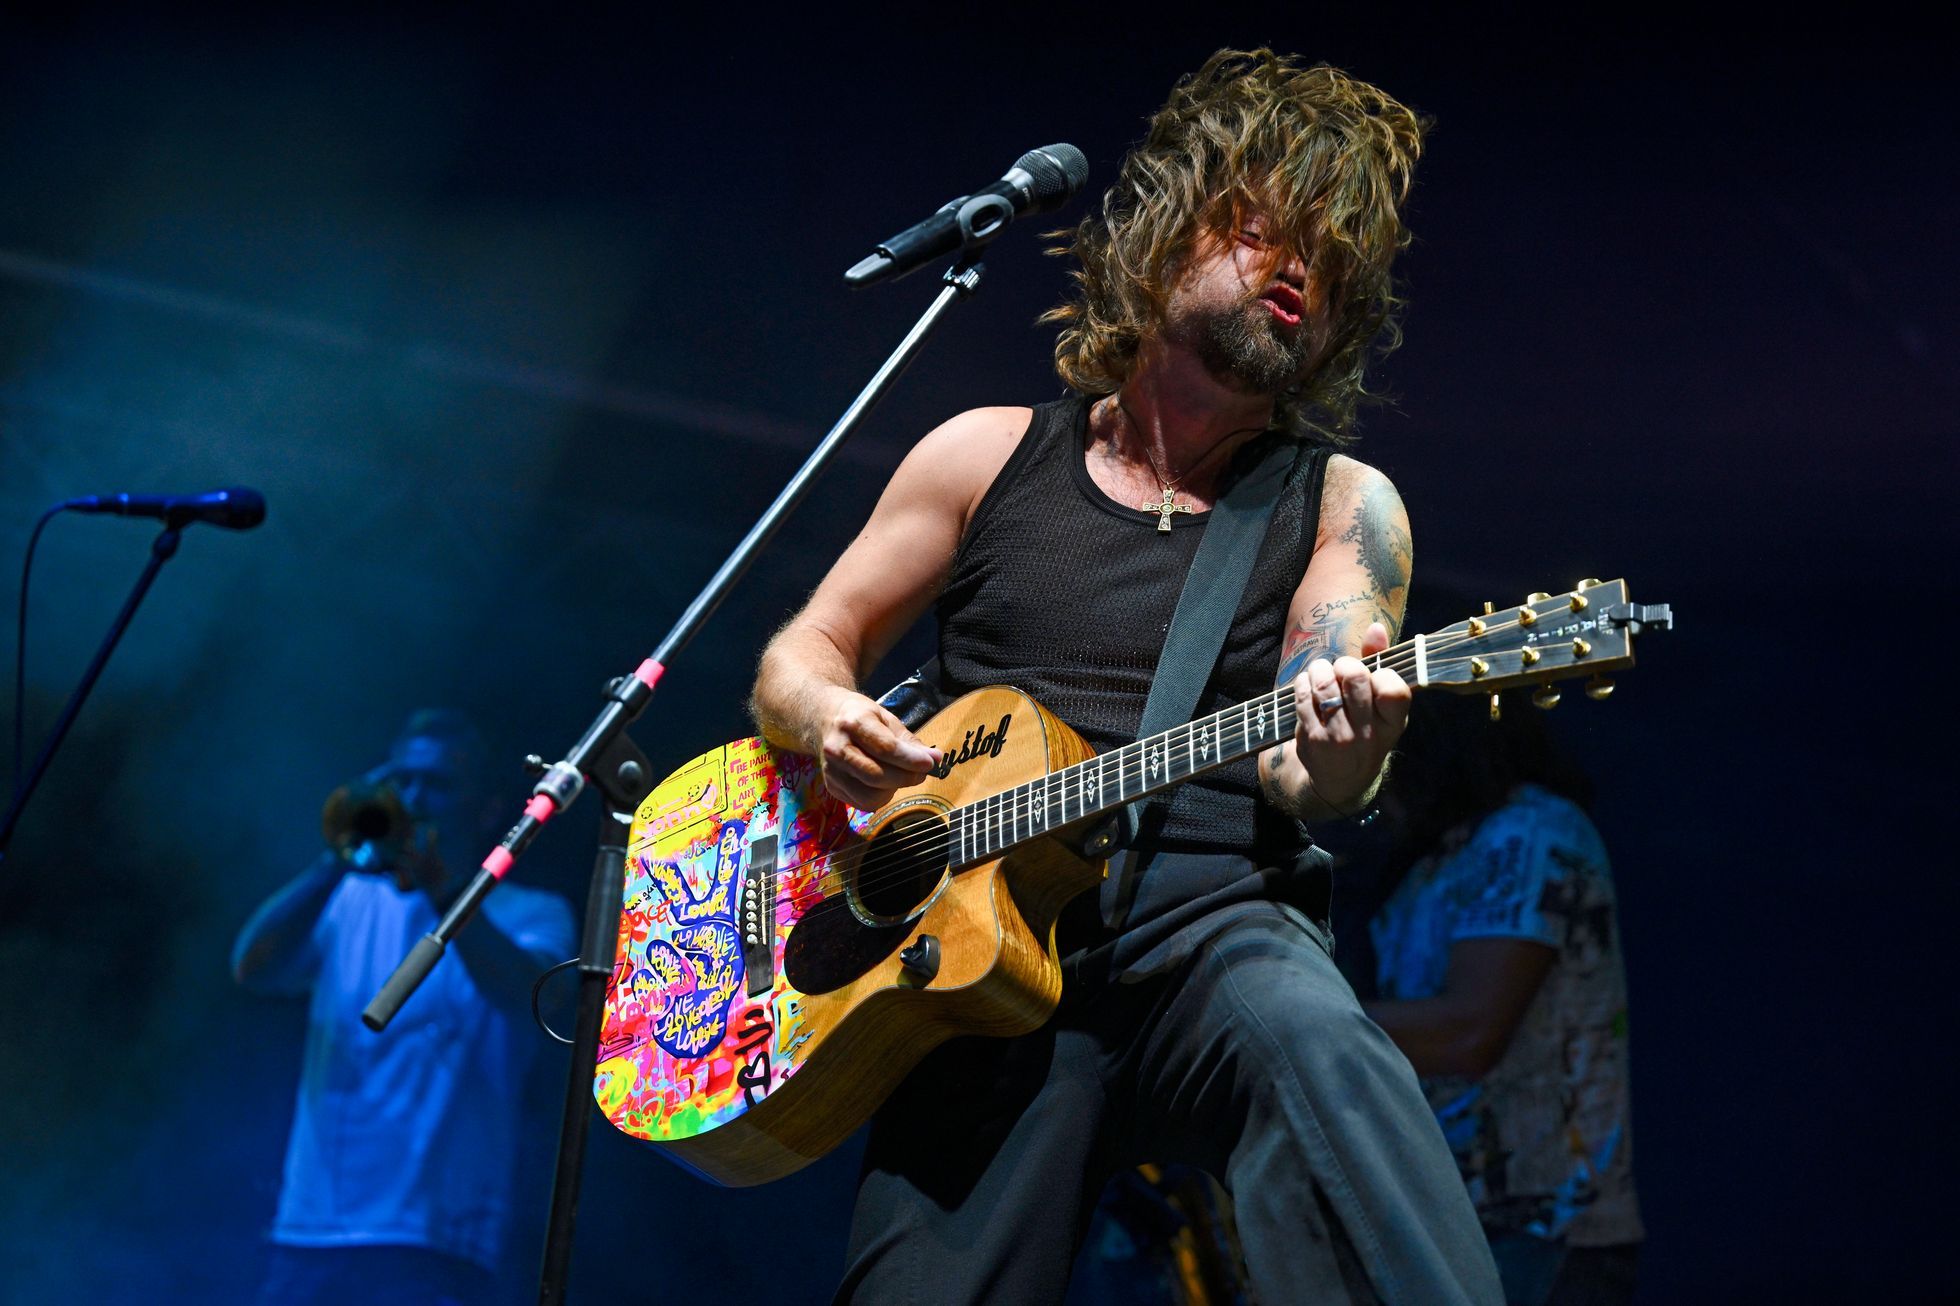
1326	158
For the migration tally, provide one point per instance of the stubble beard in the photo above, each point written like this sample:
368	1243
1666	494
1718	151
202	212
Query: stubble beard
1243	347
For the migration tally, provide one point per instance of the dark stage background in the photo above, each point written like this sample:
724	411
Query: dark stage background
518	322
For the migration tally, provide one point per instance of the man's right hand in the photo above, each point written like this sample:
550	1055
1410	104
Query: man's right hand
867	754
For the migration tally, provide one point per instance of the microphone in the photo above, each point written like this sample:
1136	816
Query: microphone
237	508
1040	180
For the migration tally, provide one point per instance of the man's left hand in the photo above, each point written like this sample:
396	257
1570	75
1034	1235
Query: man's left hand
1348	719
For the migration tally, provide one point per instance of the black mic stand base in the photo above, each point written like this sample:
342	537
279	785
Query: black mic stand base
622	777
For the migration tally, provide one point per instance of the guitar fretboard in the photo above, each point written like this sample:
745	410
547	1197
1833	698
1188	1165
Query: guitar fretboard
986	829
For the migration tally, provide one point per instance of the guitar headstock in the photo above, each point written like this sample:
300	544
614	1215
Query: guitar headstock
1587	631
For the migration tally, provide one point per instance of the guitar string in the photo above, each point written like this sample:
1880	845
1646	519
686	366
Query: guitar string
1025	806
942	830
946	829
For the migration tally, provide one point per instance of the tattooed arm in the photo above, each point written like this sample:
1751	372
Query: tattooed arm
1349	605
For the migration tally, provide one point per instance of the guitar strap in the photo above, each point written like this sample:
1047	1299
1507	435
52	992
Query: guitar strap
1205	608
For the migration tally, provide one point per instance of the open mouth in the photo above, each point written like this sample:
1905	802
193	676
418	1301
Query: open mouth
1286	304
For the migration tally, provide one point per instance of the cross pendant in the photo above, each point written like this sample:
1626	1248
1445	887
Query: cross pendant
1165	509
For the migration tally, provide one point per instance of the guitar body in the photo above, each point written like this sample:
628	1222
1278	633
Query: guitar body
759	1008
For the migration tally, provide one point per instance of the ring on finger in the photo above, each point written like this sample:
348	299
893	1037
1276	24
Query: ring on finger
1327	707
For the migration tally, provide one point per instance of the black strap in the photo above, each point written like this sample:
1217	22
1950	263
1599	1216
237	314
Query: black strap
1205	608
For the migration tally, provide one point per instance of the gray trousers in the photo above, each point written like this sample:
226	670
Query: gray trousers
1250	1059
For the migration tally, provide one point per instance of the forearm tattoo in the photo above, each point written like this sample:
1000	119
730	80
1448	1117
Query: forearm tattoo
1335	626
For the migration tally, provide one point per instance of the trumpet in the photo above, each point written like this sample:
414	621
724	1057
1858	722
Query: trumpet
367	825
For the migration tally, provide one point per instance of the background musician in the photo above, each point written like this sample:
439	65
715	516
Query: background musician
1498	970
399	1173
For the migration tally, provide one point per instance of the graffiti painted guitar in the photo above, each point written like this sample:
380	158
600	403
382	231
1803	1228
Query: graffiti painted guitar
784	960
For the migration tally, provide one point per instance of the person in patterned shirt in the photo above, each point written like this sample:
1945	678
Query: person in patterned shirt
1498	972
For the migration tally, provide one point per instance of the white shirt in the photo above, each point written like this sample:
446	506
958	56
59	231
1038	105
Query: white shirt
408	1137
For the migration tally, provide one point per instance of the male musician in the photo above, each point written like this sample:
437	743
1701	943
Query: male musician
399	1173
1235	283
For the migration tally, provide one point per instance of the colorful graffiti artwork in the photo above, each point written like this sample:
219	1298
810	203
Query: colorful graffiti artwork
692	1040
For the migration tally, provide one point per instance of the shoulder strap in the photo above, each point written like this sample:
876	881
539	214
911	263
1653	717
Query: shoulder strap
1205	607
1213	588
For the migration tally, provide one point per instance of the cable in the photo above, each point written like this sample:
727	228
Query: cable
537	992
20	651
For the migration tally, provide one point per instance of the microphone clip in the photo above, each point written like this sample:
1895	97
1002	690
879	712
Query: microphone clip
976	218
1039	181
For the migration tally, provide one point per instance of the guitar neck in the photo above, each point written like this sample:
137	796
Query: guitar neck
1584	632
992	826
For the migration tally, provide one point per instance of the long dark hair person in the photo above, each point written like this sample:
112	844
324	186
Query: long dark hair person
1327	158
1455	765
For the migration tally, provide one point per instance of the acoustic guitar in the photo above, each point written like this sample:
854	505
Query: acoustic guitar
784	959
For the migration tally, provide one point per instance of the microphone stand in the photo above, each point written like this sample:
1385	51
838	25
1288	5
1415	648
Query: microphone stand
161	551
606	756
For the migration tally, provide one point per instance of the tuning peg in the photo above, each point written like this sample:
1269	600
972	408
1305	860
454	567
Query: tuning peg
1588	583
1496	708
1545	699
1599	688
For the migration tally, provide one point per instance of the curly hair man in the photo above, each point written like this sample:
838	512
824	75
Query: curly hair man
1230	294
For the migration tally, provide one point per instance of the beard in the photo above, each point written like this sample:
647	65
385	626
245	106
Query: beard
1246	349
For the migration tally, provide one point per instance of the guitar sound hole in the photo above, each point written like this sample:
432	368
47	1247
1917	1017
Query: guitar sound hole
902	868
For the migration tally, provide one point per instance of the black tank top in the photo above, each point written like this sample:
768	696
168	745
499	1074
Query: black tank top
1067	595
